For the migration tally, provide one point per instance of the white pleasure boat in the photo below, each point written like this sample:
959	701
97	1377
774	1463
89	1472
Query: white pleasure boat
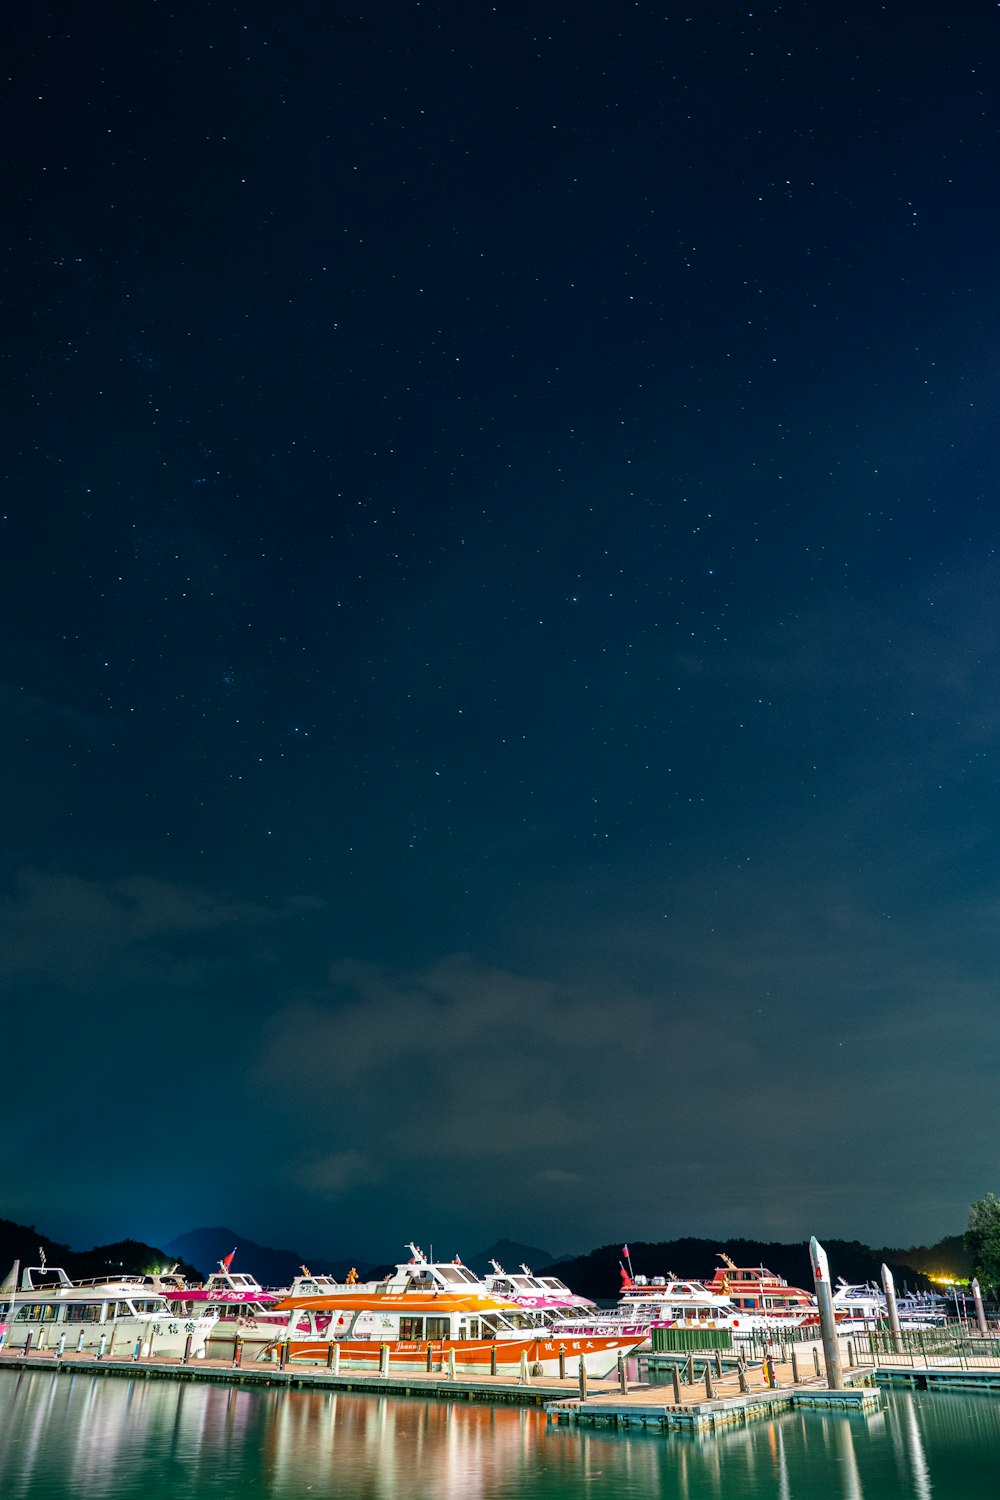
42	1308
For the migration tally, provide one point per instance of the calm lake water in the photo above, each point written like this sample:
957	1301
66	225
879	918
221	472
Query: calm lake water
83	1436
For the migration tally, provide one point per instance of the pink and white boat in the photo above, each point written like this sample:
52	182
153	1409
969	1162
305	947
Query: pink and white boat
242	1309
546	1294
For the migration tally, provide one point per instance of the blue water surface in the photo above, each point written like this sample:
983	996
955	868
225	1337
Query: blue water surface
90	1437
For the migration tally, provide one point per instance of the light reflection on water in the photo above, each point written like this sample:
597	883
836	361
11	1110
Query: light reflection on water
92	1437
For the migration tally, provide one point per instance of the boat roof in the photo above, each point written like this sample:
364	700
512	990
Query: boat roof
366	1300
51	1283
748	1273
660	1288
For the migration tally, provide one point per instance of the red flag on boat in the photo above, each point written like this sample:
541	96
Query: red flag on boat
625	1251
228	1259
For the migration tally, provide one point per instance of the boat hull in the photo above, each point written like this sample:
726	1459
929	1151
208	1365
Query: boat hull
153	1335
471	1356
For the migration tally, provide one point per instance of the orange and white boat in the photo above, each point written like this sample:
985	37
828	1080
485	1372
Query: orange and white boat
429	1315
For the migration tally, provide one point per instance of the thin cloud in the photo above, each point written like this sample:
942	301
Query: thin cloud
68	930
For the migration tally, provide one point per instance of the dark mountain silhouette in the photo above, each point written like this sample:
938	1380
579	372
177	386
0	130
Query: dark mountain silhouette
205	1248
510	1255
597	1275
594	1275
24	1243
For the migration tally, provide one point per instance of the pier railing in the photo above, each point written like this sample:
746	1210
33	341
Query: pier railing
759	1342
952	1344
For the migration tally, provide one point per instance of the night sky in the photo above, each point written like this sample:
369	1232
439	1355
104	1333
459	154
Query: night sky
499	649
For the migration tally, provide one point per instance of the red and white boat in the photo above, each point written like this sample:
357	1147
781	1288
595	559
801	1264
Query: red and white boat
756	1292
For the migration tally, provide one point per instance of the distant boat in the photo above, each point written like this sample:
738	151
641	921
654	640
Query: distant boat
649	1302
864	1306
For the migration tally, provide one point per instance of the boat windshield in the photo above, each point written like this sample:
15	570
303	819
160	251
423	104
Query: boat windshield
496	1323
456	1275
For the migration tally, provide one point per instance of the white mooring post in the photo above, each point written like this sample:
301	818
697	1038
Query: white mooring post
977	1298
889	1287
827	1322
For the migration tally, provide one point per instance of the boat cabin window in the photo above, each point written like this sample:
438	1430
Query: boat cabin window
411	1328
437	1328
38	1312
83	1312
455	1275
419	1279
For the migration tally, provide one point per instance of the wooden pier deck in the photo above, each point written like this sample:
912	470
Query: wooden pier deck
535	1392
653	1406
942	1375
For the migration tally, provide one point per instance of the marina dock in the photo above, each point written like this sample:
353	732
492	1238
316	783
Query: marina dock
606	1404
713	1401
